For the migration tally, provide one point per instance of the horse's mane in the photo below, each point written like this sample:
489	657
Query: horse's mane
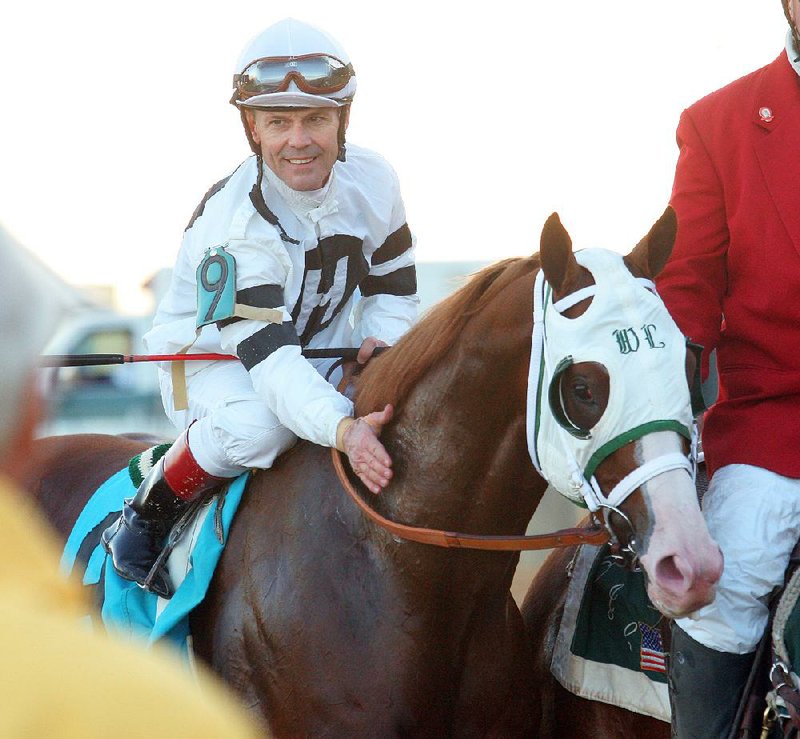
389	377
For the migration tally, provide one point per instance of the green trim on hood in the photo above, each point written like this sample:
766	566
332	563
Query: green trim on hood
635	433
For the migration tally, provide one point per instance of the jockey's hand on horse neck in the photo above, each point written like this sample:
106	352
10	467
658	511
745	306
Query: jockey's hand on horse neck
359	437
359	441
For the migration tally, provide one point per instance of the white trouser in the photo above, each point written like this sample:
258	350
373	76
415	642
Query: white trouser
235	430
754	515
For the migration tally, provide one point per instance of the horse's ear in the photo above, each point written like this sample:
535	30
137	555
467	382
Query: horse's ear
650	255
558	262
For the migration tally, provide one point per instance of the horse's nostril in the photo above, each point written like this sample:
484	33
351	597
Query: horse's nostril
669	575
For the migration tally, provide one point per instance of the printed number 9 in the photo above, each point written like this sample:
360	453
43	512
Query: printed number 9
214	276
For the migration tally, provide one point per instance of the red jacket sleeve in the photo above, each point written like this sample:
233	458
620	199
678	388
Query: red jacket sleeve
694	281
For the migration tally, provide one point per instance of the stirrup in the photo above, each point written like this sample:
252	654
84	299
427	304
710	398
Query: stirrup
156	580
176	532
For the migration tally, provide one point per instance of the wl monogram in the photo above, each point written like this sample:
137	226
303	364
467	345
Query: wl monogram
628	339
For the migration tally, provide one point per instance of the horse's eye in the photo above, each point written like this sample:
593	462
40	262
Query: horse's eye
579	397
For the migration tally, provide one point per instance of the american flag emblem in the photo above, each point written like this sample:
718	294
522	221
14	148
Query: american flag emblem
651	653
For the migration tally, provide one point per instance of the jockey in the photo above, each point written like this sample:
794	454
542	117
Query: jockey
269	265
735	195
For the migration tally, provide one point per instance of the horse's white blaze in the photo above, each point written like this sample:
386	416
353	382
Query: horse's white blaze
682	561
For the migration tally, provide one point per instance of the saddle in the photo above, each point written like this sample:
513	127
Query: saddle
195	546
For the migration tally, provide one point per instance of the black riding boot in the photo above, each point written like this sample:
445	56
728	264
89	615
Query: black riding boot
138	536
704	687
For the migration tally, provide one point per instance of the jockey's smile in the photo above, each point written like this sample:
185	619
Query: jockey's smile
298	145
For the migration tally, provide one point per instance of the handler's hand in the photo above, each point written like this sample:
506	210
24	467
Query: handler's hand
358	439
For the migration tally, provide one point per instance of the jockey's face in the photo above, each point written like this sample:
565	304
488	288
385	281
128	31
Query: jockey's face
300	145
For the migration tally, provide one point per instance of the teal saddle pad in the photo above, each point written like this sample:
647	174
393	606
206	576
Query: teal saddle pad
123	604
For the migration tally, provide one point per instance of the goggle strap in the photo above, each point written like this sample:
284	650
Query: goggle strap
257	199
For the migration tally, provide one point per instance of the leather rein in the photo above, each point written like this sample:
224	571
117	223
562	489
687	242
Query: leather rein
456	540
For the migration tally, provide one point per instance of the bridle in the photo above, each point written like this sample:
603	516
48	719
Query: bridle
625	554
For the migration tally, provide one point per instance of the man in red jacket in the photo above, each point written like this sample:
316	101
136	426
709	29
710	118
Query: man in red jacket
733	284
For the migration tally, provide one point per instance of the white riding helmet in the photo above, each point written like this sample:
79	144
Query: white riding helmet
293	64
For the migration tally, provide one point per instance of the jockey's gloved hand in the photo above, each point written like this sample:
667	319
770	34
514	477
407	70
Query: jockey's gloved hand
358	439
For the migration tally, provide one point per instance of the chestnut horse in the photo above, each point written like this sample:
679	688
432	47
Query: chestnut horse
328	624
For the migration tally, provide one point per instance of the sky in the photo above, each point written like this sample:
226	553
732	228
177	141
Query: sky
115	117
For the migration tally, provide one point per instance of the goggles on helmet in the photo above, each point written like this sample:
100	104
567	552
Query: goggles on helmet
316	74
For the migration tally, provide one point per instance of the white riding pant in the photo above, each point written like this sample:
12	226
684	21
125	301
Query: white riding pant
754	516
235	430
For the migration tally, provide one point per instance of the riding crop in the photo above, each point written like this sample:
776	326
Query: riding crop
96	360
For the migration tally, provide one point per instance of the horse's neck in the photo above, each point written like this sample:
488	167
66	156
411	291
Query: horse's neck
461	464
458	441
460	451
